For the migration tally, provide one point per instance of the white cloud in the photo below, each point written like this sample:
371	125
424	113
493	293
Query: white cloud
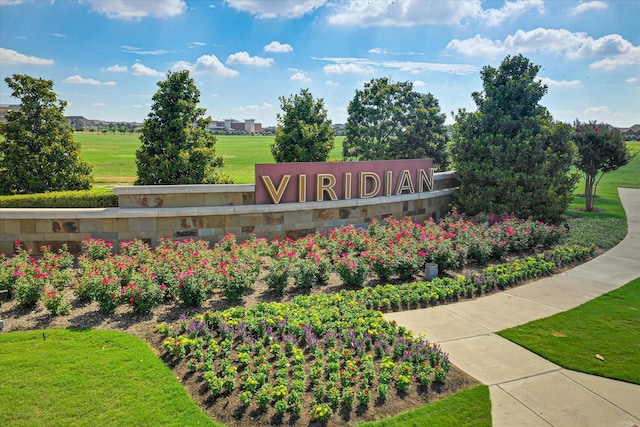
377	50
62	36
115	68
138	69
99	104
363	66
511	9
584	7
344	68
560	83
602	110
9	56
255	107
616	61
278	47
79	80
300	77
244	58
128	10
421	67
138	51
405	13
206	64
616	50
10	2
332	83
277	9
419	83
631	80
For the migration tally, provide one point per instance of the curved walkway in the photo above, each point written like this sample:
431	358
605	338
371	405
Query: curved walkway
526	389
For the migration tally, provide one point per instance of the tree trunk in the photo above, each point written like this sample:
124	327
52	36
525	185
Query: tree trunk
588	192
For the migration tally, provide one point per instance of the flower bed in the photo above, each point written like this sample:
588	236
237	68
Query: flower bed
190	271
279	355
322	353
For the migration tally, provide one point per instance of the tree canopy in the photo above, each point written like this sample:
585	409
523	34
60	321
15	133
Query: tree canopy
392	121
38	153
304	133
177	147
509	154
601	149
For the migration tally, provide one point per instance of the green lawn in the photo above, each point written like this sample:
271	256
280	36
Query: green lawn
92	378
469	408
114	156
608	325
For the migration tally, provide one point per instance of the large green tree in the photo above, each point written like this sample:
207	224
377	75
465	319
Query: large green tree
304	133
177	147
392	121
601	150
510	155
38	152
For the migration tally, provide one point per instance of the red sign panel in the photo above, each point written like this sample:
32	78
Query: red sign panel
318	181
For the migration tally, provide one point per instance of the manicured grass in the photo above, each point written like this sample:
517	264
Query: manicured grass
90	378
471	407
608	325
114	156
608	201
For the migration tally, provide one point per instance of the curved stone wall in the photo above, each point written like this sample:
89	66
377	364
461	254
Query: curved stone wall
208	212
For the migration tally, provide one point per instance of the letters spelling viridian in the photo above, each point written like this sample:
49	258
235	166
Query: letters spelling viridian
319	181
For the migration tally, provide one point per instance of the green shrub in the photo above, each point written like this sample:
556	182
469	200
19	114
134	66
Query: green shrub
97	198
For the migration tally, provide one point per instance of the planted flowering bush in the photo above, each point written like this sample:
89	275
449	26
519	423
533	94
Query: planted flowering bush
279	271
191	270
352	270
28	286
142	293
56	303
97	249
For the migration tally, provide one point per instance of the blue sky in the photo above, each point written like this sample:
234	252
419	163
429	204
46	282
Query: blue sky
106	56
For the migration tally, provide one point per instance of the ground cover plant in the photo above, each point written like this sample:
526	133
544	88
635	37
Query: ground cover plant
67	377
608	326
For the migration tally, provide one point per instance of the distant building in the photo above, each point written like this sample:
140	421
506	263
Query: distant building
631	134
231	125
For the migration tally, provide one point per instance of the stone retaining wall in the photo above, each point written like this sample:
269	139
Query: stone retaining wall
208	212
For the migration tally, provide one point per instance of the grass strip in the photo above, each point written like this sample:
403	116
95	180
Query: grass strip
470	408
89	378
608	326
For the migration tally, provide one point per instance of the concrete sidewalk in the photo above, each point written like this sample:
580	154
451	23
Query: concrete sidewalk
527	390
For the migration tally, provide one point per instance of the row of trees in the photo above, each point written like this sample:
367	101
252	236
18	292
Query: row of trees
510	155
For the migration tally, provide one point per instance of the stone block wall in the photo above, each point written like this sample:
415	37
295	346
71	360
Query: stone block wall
150	222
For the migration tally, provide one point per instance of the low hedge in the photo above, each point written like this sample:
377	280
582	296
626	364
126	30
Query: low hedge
97	198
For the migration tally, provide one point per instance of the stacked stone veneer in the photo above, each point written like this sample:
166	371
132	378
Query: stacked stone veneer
208	212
